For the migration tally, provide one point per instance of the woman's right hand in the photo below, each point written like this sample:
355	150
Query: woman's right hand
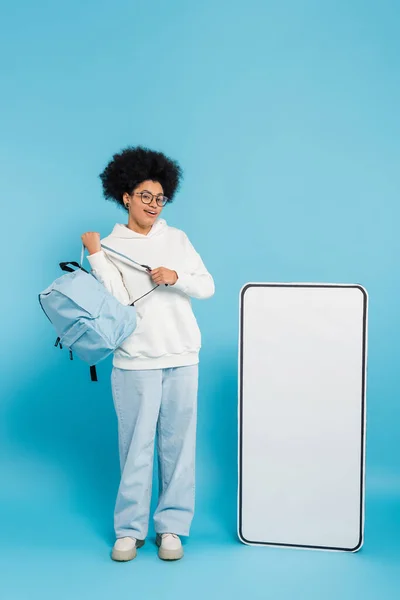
91	241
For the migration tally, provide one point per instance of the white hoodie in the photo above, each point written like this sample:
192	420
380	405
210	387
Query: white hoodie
167	334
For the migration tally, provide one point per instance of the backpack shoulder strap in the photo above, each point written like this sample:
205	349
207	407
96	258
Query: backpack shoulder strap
146	267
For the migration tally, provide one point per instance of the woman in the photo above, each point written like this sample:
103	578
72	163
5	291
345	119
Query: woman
155	371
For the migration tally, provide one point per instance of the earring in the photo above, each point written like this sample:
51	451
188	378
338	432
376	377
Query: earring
127	205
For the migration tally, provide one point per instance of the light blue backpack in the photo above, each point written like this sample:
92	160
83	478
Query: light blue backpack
88	320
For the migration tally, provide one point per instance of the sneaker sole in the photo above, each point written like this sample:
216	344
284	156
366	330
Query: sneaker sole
126	555
168	554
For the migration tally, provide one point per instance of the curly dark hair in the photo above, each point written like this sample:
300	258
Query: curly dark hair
133	165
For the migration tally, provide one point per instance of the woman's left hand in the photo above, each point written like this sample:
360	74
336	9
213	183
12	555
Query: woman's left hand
162	275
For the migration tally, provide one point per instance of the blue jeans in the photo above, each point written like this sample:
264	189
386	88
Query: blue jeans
162	401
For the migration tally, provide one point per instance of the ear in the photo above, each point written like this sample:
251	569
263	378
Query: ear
126	198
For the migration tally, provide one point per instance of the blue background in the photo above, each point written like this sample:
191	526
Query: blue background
285	118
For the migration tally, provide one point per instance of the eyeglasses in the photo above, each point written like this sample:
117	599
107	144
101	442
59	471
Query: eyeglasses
147	198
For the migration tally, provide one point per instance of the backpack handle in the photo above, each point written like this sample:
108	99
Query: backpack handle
64	266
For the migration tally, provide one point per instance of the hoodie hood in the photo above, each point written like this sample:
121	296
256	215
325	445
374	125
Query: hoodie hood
123	232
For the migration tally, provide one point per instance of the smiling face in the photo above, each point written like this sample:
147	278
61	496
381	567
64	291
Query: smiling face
142	215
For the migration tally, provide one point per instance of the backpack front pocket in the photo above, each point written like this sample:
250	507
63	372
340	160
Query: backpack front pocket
73	334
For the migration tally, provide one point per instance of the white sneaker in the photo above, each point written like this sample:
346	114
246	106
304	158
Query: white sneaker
126	548
169	546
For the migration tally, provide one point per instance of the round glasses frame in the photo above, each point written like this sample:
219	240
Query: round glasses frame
147	198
